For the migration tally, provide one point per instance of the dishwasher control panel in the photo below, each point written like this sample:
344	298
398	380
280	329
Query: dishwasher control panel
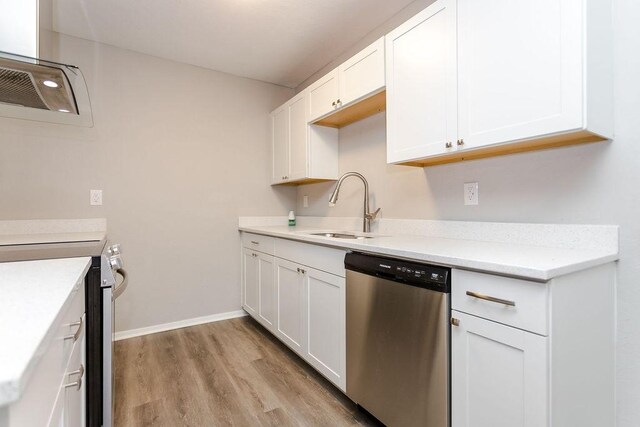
411	273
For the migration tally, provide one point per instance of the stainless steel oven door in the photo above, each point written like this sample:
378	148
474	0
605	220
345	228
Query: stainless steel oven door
109	295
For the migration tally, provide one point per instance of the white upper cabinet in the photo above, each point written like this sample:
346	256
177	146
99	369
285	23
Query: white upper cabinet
324	95
362	74
357	78
298	130
520	69
302	152
421	84
530	74
280	141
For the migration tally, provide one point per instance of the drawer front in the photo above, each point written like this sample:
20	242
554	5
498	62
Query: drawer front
319	257
519	303
258	242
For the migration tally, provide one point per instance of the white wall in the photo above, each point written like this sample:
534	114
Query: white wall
594	183
180	153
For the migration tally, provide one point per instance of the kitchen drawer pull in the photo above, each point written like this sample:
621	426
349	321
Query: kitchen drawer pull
76	384
255	243
75	336
492	299
77	372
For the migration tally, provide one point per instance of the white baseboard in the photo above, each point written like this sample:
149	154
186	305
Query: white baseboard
123	335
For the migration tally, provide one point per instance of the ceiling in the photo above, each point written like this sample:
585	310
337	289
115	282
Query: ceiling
277	41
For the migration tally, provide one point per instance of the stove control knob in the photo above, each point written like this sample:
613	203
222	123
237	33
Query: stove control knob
114	249
115	262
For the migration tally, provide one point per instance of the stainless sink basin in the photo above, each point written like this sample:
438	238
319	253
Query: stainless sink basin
341	235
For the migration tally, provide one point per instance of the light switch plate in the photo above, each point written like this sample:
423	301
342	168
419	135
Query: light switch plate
470	193
95	197
305	201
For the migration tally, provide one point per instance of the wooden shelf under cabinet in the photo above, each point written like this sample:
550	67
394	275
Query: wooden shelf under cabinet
356	111
555	141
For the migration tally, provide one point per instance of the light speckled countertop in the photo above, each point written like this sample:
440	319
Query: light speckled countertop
527	261
32	295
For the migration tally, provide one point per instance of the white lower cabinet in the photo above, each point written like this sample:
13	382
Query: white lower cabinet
258	286
290	295
55	394
303	306
531	354
326	324
499	375
250	281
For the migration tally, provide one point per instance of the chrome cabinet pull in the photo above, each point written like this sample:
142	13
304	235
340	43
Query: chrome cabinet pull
448	145
301	271
75	336
491	299
78	383
333	103
461	142
255	243
77	372
254	255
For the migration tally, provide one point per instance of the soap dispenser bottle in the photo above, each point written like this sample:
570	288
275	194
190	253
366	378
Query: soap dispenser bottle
292	219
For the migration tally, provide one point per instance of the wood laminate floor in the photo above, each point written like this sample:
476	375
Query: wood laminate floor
228	373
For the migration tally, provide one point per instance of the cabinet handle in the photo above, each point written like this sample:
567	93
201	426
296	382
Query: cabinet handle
78	382
461	142
255	243
448	145
333	103
75	336
491	299
77	372
301	271
455	322
338	102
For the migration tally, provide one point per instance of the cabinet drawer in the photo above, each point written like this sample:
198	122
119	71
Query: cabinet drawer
258	242
480	294
319	257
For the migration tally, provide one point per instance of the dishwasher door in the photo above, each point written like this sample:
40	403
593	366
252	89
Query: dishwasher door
398	351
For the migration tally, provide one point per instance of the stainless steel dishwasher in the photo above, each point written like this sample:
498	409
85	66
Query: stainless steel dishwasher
398	340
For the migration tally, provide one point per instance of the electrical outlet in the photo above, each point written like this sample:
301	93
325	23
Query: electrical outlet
470	193
95	197
305	201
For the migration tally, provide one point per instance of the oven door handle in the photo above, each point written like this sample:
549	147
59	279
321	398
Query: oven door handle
123	285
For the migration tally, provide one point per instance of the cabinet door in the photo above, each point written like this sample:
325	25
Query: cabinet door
290	305
326	324
250	280
298	136
421	84
517	78
323	95
363	73
499	375
280	140
267	290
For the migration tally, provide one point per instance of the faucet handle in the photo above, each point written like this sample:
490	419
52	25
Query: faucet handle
372	215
